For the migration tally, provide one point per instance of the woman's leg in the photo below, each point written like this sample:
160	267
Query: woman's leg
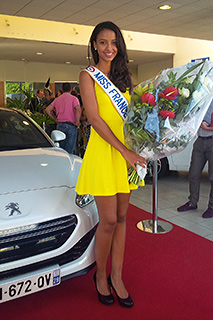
118	245
107	211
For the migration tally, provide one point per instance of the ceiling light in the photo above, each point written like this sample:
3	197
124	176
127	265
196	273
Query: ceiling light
44	164
130	60
39	53
67	62
165	7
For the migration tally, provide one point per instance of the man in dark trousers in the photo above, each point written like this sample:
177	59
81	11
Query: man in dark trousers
68	112
201	153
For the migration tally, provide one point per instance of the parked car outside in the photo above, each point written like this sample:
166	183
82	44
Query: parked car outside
46	229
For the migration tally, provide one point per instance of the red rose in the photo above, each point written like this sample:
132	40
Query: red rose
147	97
169	93
166	113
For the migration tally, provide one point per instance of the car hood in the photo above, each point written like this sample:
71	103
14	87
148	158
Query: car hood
36	169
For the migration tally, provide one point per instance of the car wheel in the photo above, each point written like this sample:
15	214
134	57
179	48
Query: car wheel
162	168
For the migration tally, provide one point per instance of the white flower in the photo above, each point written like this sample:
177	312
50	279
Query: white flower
189	79
184	92
197	95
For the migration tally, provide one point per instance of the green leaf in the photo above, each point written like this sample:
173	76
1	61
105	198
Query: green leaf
189	70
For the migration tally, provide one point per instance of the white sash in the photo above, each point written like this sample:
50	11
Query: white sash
117	98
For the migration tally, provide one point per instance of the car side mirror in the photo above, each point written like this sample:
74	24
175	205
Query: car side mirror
57	136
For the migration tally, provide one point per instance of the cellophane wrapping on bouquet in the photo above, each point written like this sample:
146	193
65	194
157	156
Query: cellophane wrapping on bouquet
166	111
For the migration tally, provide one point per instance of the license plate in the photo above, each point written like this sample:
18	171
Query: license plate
16	287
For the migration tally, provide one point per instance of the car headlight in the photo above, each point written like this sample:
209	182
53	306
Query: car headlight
83	200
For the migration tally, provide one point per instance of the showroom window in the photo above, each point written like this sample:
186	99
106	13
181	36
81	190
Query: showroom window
15	90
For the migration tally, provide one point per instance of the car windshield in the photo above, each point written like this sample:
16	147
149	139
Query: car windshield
18	132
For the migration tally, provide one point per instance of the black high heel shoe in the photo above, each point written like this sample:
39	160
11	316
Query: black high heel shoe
107	300
127	302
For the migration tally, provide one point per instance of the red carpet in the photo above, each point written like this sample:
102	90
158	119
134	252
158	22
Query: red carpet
169	276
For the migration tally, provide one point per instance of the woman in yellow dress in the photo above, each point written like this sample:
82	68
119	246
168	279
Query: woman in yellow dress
103	173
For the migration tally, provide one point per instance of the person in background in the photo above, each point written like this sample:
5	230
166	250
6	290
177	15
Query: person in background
39	96
67	116
48	98
59	93
201	153
85	132
81	139
35	103
104	170
74	93
46	101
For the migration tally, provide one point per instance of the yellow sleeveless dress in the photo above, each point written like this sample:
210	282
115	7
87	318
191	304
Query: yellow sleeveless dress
104	171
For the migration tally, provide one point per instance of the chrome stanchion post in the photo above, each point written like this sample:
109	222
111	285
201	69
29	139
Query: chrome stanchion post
154	198
154	226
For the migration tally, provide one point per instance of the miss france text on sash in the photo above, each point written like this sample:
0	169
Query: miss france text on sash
117	98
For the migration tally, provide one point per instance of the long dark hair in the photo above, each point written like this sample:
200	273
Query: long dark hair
119	72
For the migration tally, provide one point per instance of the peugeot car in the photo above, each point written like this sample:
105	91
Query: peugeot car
46	229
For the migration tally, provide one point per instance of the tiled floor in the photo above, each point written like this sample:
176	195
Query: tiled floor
172	191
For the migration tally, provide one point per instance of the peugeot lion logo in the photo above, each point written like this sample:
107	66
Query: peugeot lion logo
14	207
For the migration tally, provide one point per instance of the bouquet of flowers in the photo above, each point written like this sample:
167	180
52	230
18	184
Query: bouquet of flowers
166	111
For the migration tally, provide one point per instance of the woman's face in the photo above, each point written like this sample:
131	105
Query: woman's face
106	45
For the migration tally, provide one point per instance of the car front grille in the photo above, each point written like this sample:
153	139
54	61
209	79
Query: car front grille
72	254
40	238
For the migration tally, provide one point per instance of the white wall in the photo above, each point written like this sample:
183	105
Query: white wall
149	70
37	72
188	49
40	72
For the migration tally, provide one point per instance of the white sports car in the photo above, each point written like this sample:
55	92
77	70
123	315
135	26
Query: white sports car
46	229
